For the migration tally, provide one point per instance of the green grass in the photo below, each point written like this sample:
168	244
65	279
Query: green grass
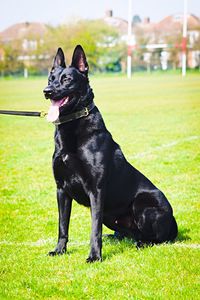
156	120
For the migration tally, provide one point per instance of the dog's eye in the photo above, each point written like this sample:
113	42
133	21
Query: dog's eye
51	79
65	78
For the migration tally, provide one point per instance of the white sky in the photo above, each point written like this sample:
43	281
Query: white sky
57	11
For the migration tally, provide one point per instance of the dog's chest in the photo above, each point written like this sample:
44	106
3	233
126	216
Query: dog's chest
68	172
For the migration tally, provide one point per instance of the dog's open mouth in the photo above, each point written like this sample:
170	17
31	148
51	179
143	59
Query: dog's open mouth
53	112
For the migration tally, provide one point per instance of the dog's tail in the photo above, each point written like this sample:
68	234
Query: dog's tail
173	230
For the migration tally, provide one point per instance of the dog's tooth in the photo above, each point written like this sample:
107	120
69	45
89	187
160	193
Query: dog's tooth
66	100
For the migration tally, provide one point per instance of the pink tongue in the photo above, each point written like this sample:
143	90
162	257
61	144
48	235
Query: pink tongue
53	112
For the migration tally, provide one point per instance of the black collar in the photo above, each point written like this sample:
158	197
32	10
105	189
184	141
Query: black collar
76	115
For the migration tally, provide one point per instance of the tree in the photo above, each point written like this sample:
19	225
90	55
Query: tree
10	62
97	38
101	43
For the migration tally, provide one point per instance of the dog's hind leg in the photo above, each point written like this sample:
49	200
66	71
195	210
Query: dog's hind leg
64	209
173	230
153	218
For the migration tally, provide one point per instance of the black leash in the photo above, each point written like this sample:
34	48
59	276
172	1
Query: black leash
63	119
40	114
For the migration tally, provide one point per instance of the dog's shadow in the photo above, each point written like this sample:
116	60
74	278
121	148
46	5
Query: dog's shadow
115	245
126	243
183	235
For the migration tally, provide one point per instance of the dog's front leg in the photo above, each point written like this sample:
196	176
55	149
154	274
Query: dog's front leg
64	209
96	203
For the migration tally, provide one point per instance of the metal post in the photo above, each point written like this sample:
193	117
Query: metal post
25	73
129	38
184	40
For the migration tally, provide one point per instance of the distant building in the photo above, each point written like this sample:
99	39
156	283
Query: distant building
29	36
119	24
162	37
171	26
22	31
154	45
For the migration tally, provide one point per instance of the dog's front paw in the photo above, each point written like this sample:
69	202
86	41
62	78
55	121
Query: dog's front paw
57	251
60	248
92	259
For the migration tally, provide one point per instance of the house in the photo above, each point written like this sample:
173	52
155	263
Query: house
26	38
153	45
163	38
23	31
120	24
172	26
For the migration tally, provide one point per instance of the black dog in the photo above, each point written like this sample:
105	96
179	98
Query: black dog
91	168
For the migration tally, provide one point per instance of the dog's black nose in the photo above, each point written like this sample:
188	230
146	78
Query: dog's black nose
48	92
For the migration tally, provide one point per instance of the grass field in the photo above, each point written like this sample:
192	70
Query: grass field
156	120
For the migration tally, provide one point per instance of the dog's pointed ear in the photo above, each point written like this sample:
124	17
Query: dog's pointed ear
79	60
59	59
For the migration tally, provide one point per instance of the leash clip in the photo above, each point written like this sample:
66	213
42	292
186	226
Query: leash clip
43	114
86	112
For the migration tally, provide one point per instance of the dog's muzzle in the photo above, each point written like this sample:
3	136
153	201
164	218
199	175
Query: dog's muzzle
48	91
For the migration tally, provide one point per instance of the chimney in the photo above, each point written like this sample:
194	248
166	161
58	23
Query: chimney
146	20
109	13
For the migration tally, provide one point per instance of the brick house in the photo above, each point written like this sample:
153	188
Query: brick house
164	37
27	37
